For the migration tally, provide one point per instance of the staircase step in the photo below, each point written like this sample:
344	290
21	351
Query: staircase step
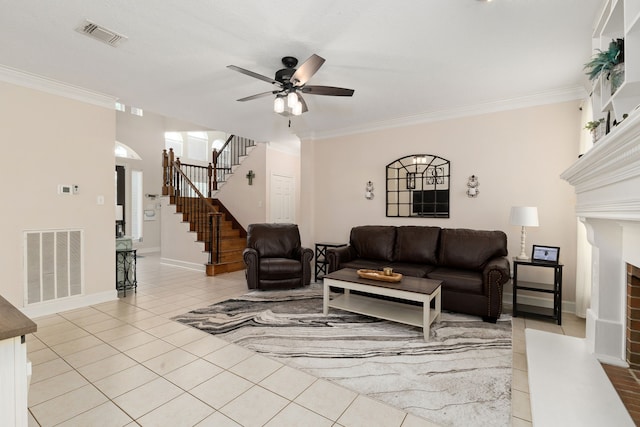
228	267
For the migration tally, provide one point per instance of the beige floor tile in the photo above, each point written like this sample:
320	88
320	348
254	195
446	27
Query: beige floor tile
91	355
205	346
94	328
137	315
193	374
79	313
150	322
105	367
256	368
41	356
52	319
132	341
326	399
291	415
217	419
288	382
221	389
414	421
117	333
55	386
147	397
167	362
517	422
34	344
68	405
255	407
520	381
366	412
548	326
149	350
520	361
167	329
69	334
228	356
125	381
49	369
75	346
105	415
520	405
184	410
95	317
182	338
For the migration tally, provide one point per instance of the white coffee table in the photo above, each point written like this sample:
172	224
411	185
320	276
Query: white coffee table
409	288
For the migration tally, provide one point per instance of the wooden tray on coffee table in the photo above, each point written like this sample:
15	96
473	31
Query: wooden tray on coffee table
379	275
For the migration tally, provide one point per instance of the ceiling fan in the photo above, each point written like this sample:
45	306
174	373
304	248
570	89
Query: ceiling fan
291	83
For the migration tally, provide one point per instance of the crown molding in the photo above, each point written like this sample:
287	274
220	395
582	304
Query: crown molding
549	97
54	87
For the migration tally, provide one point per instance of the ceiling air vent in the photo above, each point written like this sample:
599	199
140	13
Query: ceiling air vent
100	33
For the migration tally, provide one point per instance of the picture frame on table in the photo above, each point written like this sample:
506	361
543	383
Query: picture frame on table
545	254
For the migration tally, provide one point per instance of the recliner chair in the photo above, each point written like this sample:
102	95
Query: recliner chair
275	258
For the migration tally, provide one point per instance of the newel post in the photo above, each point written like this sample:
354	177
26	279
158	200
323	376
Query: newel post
214	159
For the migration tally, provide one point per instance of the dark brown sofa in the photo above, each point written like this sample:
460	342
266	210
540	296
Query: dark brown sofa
472	264
275	258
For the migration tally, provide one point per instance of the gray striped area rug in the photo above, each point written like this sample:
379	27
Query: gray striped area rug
460	377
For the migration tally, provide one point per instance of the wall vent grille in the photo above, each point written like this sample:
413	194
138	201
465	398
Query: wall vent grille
54	265
103	34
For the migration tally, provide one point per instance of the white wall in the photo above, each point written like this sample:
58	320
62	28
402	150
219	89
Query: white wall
49	140
517	156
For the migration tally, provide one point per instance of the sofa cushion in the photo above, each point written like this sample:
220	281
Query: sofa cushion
374	242
470	249
417	244
368	264
409	269
458	280
280	268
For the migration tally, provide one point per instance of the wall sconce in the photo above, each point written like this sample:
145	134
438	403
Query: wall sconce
369	191
472	186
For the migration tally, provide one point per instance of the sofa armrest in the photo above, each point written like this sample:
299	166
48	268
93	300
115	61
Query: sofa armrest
252	260
495	274
305	258
337	256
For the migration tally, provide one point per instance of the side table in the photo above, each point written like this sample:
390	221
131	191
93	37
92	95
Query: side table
321	257
126	277
554	288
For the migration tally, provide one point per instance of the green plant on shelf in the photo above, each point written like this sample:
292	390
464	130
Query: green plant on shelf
603	62
593	125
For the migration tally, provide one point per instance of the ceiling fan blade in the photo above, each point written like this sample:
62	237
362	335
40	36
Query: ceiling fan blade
304	104
327	90
307	70
252	74
258	95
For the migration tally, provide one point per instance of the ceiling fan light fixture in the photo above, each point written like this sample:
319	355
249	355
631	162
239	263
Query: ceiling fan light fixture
278	104
292	100
297	109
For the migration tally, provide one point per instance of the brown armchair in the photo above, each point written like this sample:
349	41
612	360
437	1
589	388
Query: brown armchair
275	258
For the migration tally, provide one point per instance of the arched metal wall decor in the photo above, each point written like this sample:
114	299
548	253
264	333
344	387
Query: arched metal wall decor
418	186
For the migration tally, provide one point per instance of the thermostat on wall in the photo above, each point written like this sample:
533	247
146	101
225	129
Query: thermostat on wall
64	189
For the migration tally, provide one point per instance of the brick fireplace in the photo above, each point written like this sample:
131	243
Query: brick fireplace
607	184
633	316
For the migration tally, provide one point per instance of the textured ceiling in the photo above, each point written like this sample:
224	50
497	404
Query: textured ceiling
405	59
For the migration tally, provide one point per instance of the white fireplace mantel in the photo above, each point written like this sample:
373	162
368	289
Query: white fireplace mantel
607	185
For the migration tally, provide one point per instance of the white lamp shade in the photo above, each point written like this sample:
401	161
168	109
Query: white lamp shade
297	110
278	104
292	100
526	216
119	213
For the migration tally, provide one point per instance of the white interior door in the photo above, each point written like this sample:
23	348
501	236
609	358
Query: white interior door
282	199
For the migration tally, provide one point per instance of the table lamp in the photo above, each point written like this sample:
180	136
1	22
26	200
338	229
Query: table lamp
525	216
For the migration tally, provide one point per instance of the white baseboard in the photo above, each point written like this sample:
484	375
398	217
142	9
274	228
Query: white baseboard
183	264
71	303
567	306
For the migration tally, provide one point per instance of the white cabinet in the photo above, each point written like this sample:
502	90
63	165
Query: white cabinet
14	367
620	19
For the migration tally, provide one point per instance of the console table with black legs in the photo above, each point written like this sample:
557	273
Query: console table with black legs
554	289
126	277
321	257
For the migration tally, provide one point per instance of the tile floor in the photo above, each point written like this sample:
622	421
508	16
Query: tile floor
124	363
